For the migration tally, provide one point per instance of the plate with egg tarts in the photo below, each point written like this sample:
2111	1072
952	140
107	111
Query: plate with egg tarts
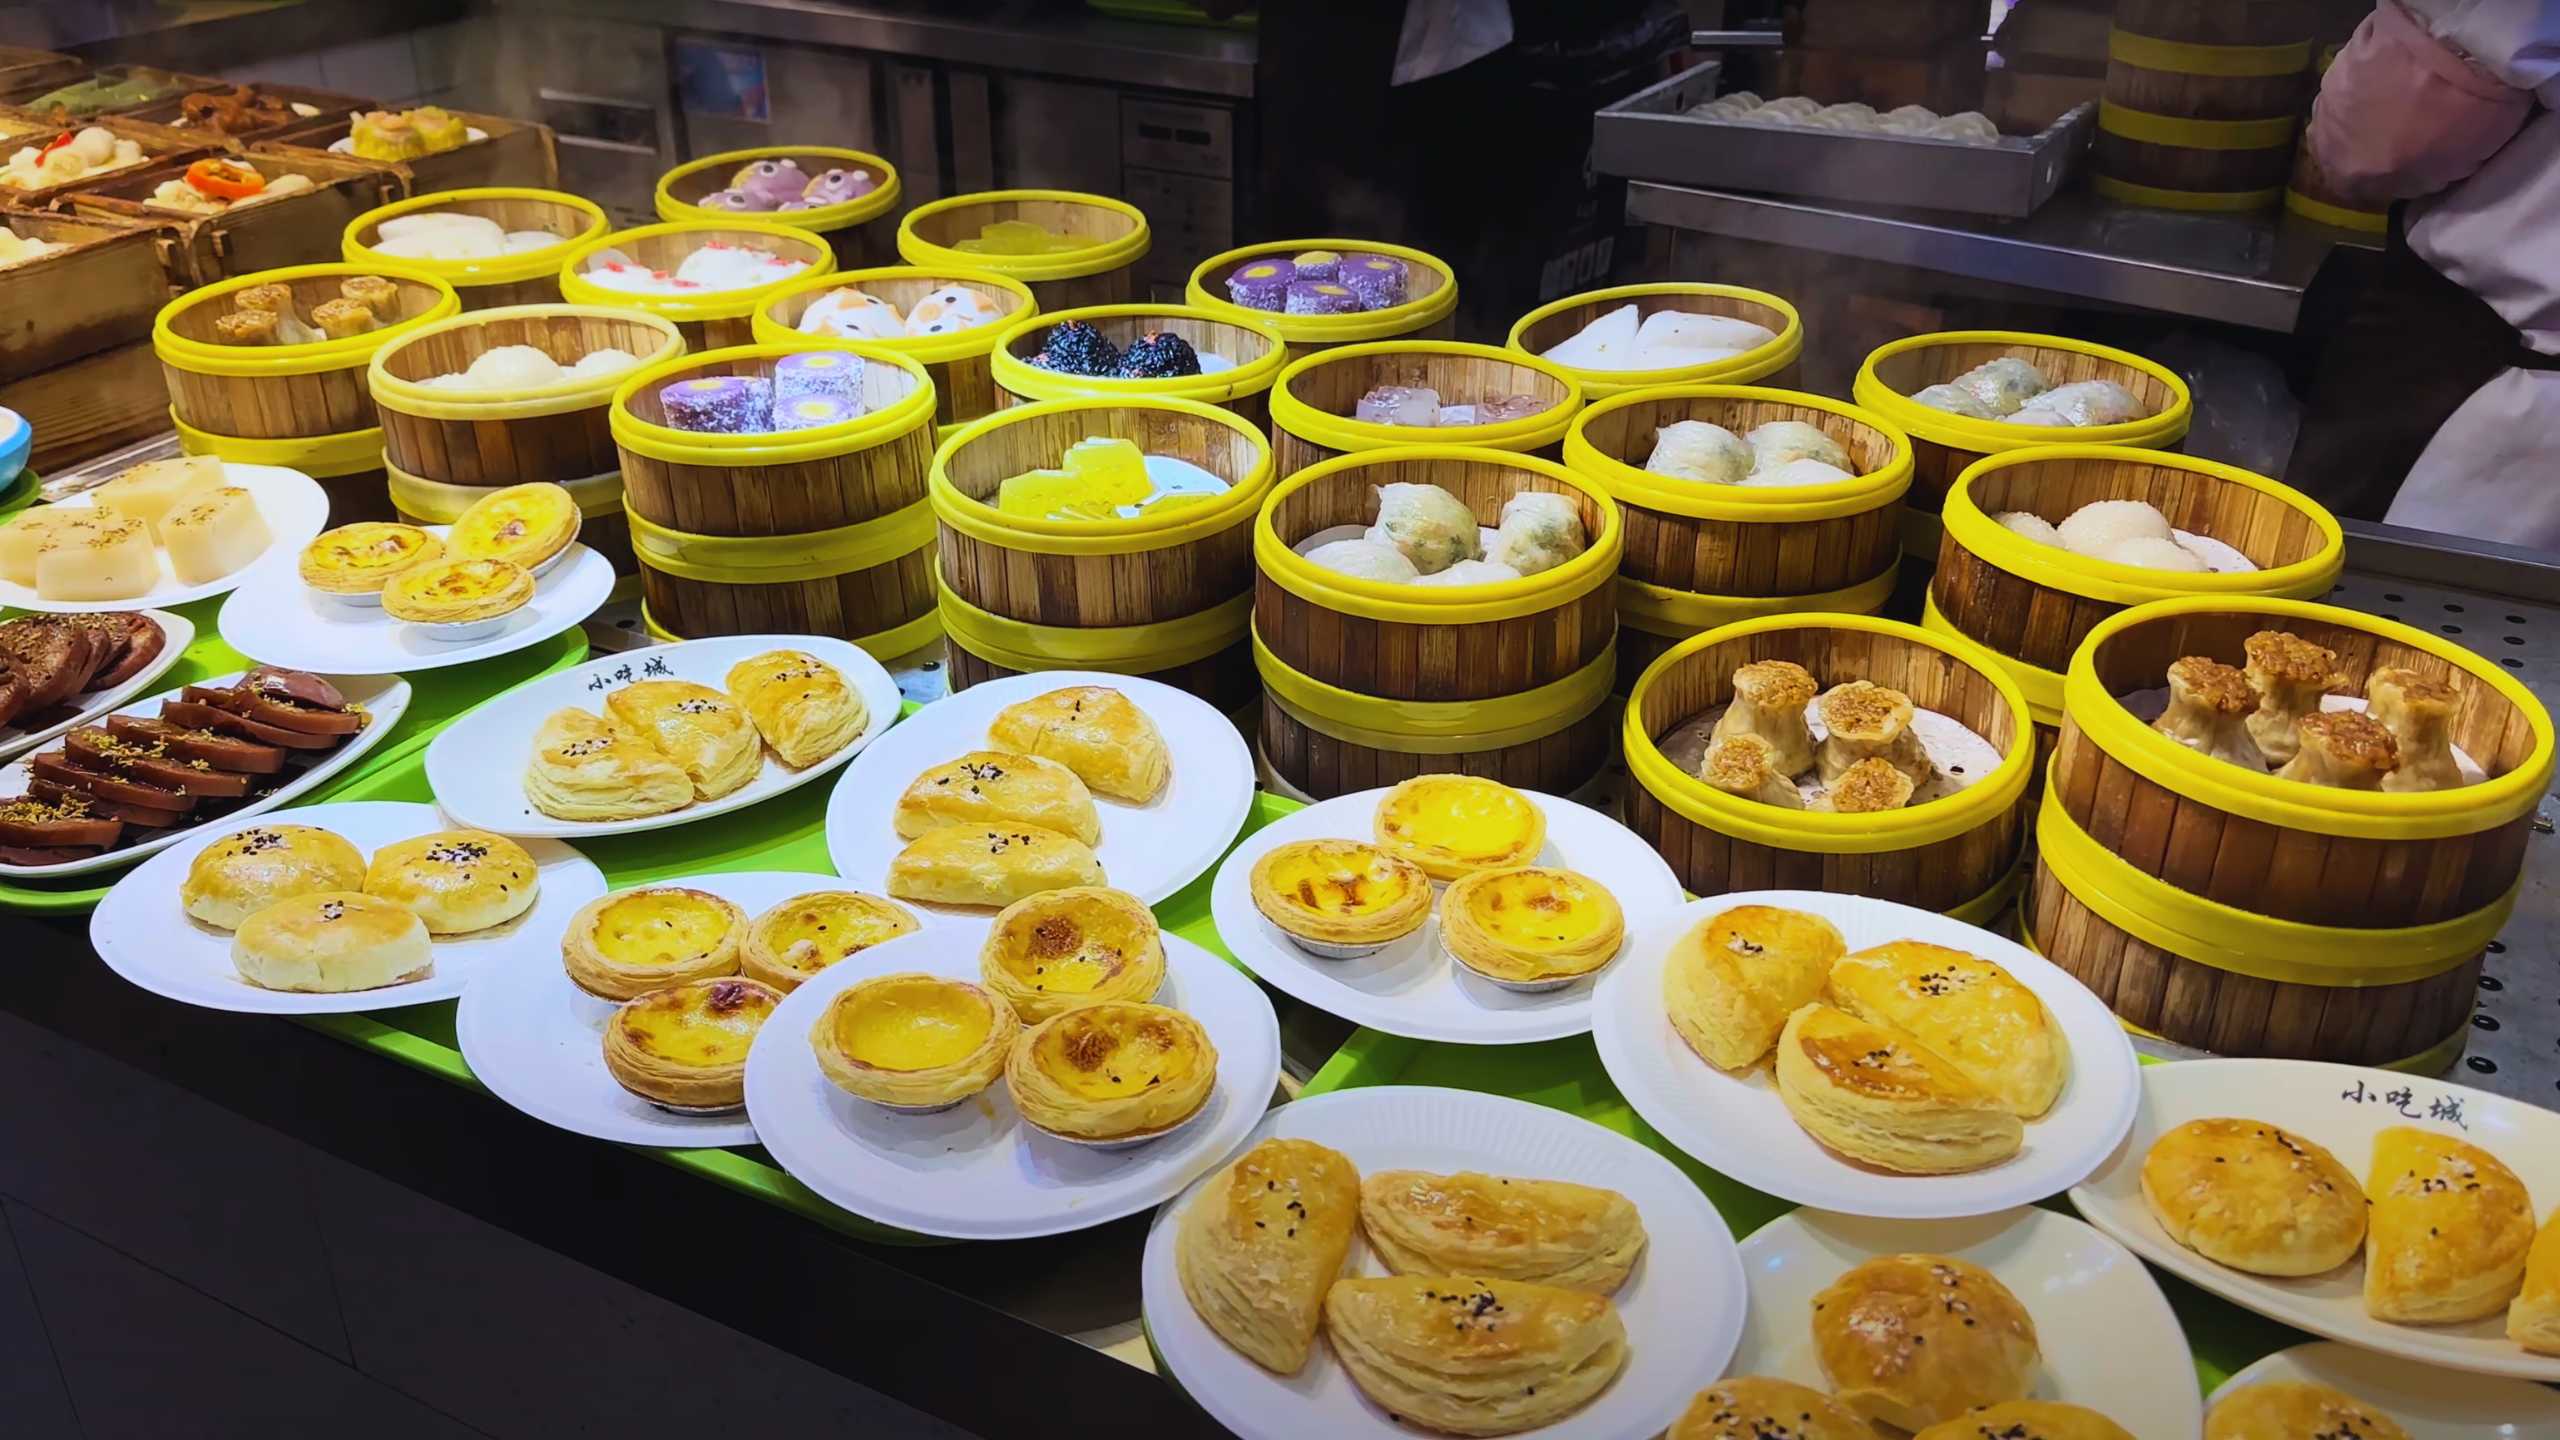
279	616
1533	929
2425	1401
530	525
1931	1138
1410	985
143	932
289	506
2461	1184
352	563
478	766
1608	1356
879	815
979	1170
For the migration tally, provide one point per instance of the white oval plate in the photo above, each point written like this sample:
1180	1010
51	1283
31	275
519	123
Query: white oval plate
276	618
537	1040
386	698
144	936
1412	988
476	767
976	1171
2430	1403
295	508
1737	1124
177	632
1149	850
1683	1304
2313	1100
2109	1339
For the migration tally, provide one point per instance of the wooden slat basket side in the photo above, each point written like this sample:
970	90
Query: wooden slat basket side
277	407
510	450
1319	765
98	294
296	229
790	497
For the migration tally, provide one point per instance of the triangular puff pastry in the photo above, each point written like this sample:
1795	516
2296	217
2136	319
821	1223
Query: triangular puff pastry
2449	1231
1575	1236
1093	730
1474	1357
1263	1243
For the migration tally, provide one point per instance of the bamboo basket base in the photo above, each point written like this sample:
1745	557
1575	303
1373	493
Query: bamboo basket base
1322	767
1226	680
848	607
364	495
1939	877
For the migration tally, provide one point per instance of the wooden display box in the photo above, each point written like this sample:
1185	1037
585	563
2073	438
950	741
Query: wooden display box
26	72
1948	80
165	152
516	152
334	108
92	405
100	293
112	72
295	230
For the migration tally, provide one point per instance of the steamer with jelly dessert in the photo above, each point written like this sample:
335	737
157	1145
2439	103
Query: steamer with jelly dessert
1101	240
1773	363
526	278
956	362
1315	405
709	319
1252	346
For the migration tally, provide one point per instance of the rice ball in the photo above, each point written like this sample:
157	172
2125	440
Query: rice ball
2028	523
2102	524
2152	553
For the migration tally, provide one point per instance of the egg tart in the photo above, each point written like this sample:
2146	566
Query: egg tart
685	1047
1340	899
1453	825
634	941
1535	928
354	562
458	599
530	525
805	934
913	1041
1059	949
1112	1074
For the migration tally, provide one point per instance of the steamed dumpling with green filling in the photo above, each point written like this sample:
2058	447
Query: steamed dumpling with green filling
1540	530
2083	402
1431	527
1953	401
2003	386
1780	441
1364	560
1701	451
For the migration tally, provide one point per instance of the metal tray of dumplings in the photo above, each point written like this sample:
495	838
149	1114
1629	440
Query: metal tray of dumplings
1650	136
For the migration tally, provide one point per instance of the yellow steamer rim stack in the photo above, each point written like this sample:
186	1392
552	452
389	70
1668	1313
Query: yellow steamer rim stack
1245	389
1313	403
1097	272
1699	556
529	278
825	531
2201	101
305	407
1367	683
957	362
2230	910
1557	321
442	449
1167	596
1429	312
857	230
709	319
1958	854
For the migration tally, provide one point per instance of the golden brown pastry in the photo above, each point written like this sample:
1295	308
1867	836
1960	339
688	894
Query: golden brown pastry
964	865
246	871
2289	675
1051	952
1263	1242
1965	1008
1756	1407
1537	926
807	933
2296	1410
697	727
2343	749
362	558
1878	1095
631	942
2534	1320
2255	1197
1769	699
1340	899
1093	730
2418	711
586	767
1731	982
1551	1231
913	1041
1867	787
1112	1073
2028	1420
457	881
457	592
1474	1357
1910	1340
531	525
1746	766
2449	1230
685	1047
329	942
344	319
1867	721
993	787
1453	825
799	703
2209	708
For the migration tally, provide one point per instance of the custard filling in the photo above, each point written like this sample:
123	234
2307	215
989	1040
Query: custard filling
1470	823
810	937
709	1027
1093	1057
659	927
1350	880
909	1025
1536	910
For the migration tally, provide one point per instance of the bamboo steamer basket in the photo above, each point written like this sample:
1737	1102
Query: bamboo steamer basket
857	229
957	362
1430	310
1312	403
1699	556
529	278
2201	103
824	531
1167	596
2313	195
1957	854
1099	273
712	320
442	449
1367	683
2248	915
1557	321
1255	348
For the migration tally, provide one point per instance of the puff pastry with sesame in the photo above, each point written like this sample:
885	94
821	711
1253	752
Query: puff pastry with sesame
991	865
2450	1229
1261	1244
1555	1232
1472	1356
1878	1095
1965	1008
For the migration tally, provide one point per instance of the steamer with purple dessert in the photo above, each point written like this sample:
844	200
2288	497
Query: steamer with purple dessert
1326	292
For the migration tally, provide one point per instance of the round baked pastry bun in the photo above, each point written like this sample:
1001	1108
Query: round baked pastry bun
1051	952
913	1041
793	941
1755	1407
626	944
2029	1420
1913	1340
330	942
2255	1197
248	870
457	881
1116	1073
2296	1410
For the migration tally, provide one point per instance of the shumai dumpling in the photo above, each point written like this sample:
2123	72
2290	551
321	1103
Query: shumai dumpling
799	703
1744	766
2290	675
1769	697
1868	721
2209	707
2418	711
2341	749
1094	730
1433	528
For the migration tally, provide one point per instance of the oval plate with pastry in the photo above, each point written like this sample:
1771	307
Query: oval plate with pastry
116	673
1414	986
2356	1114
2426	1401
144	932
274	616
977	1170
1671	1314
1974	1077
645	739
290	506
2104	1336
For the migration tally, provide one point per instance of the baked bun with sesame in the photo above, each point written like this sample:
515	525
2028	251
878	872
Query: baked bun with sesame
2255	1197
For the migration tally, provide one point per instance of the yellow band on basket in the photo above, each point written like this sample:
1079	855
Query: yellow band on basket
2209	932
781	559
887	644
1119	649
437	503
2228	62
2148	128
1657	610
980	520
2042	687
2159	199
1436	727
322	457
2321	212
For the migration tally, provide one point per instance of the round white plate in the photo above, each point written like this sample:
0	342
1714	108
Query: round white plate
276	618
537	1040
1412	988
1737	1124
476	767
384	697
975	1171
143	936
2110	1341
1149	850
2430	1403
295	509
2320	1102
177	632
1682	1306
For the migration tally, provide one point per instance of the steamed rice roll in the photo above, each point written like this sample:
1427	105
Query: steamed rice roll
1607	343
2083	402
